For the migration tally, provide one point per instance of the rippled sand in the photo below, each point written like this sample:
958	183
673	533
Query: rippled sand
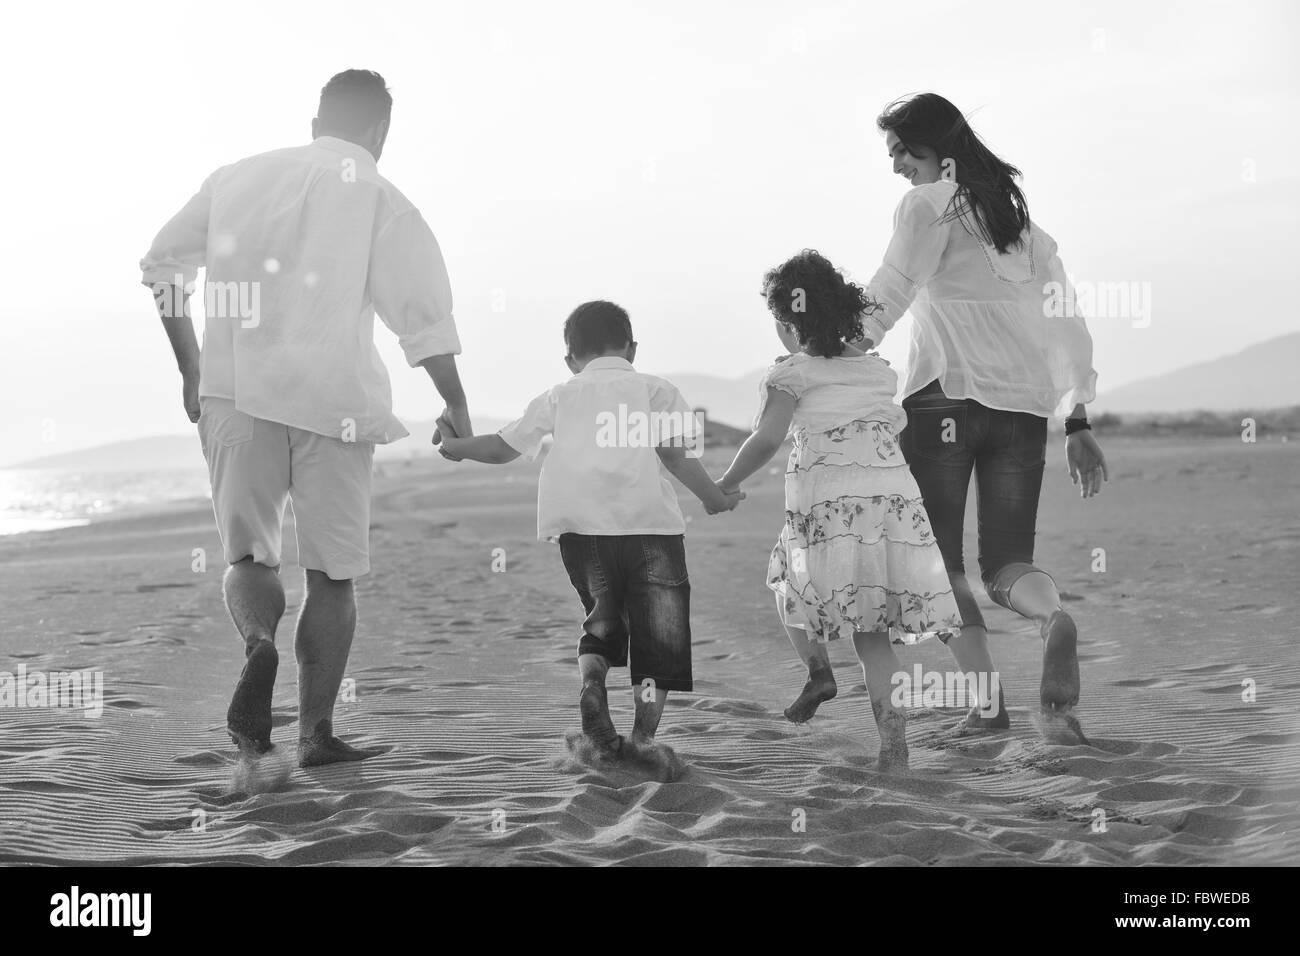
470	676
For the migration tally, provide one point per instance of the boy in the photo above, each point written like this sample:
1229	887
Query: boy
603	495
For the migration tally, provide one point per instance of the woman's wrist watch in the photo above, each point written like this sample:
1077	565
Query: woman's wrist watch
1073	425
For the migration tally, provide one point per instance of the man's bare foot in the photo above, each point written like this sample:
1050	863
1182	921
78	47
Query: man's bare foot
819	689
322	747
1060	727
1059	689
248	719
892	725
597	725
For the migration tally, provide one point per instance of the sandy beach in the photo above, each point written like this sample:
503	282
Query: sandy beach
469	674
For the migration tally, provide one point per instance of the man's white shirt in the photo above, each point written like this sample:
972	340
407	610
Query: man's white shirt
302	247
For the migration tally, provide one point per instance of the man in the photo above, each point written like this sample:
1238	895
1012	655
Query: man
302	247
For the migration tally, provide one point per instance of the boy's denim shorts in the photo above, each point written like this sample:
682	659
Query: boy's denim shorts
637	596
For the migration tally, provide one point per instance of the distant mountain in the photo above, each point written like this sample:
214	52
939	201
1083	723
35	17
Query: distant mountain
182	452
730	401
155	453
1260	376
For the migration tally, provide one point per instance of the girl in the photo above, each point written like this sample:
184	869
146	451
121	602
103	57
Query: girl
856	556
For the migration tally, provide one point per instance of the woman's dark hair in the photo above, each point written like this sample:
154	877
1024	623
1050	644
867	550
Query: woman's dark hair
595	328
986	186
825	308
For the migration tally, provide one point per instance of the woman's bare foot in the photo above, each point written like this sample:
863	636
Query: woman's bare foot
597	725
819	689
978	722
1059	689
249	718
892	725
322	747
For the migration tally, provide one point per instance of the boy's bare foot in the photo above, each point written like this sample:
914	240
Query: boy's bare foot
597	725
892	725
322	747
819	689
1059	689
658	759
248	719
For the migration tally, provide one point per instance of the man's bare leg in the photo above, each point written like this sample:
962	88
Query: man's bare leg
322	641
255	600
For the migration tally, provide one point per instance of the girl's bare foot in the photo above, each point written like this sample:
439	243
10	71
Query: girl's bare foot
819	689
892	725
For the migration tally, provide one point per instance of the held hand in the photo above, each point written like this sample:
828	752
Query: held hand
448	442
443	428
730	498
1087	463
190	395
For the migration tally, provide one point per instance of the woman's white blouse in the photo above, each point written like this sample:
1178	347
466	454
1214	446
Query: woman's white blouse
985	324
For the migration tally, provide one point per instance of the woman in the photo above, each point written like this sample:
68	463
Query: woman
989	362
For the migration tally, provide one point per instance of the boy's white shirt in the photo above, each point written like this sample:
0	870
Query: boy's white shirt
602	475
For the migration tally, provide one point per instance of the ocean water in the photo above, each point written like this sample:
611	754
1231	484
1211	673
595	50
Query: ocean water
44	499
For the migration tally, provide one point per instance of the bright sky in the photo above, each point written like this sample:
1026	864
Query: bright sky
662	154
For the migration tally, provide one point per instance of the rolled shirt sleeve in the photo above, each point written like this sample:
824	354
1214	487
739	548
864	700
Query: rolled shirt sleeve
409	287
912	259
526	433
181	246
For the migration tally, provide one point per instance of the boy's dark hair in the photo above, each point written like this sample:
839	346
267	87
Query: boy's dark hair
594	328
813	296
353	102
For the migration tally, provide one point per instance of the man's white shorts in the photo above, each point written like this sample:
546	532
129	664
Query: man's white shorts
257	466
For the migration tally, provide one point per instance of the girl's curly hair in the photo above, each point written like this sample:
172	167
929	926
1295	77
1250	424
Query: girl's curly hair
824	308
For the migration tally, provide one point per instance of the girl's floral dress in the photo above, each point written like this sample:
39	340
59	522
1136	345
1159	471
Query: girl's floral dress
856	552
